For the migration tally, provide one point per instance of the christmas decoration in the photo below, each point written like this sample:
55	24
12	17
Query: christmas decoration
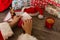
38	6
5	31
49	22
4	4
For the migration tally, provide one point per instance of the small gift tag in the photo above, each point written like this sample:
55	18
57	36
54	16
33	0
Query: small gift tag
8	17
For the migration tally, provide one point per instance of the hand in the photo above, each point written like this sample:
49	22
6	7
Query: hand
27	26
14	20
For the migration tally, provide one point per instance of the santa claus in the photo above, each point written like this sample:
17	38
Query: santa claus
6	29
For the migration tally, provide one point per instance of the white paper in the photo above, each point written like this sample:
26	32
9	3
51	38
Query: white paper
24	15
8	17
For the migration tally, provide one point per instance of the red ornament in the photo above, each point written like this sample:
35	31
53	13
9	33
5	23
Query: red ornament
4	4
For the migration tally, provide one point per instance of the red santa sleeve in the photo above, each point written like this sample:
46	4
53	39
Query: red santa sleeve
26	37
5	29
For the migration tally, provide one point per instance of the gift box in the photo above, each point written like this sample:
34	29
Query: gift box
25	16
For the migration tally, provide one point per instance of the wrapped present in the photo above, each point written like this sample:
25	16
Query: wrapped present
18	4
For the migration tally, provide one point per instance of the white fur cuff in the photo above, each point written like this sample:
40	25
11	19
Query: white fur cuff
5	30
26	37
40	16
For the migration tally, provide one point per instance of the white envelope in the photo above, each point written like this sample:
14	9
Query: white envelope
8	17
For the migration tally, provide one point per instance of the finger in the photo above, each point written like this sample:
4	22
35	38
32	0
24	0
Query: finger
27	20
19	15
24	21
30	20
14	16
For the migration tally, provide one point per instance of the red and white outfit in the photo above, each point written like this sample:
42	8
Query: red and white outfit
6	31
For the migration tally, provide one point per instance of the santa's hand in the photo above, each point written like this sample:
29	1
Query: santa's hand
27	26
14	20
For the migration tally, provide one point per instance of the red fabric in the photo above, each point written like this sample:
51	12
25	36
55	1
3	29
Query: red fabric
20	23
39	3
30	10
40	10
4	4
1	37
34	10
